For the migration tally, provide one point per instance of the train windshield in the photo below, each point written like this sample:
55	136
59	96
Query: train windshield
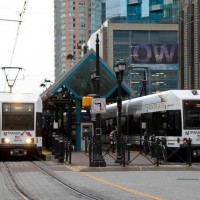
18	116
191	114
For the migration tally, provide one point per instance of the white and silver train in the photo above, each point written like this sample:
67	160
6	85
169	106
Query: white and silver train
20	124
174	115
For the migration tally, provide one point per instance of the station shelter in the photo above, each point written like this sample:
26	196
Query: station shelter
62	102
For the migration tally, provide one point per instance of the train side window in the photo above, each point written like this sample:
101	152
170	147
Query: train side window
136	124
155	125
159	123
130	124
149	123
178	120
174	123
171	120
38	124
163	123
104	126
124	125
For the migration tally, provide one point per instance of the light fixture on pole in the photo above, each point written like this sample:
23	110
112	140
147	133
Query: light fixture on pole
119	68
93	77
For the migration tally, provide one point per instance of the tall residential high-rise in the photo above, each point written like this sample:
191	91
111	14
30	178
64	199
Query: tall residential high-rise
190	44
74	22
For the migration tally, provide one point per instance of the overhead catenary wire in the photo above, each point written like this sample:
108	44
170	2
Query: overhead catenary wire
18	29
21	15
10	20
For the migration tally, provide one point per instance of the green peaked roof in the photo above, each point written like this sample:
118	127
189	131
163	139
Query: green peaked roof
78	79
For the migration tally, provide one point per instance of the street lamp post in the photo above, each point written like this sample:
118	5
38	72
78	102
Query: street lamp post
119	68
98	160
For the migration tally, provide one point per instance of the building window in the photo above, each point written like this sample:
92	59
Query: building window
71	2
81	20
63	15
71	14
81	14
81	25
71	26
82	31
71	48
71	8
82	37
81	9
71	36
81	3
71	30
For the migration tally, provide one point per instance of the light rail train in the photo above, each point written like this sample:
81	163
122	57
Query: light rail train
174	115
20	124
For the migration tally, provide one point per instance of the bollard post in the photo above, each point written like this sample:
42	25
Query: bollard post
153	146
53	143
90	153
56	155
66	150
86	140
157	151
61	150
164	144
70	151
128	146
123	153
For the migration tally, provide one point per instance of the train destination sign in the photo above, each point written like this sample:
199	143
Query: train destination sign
98	105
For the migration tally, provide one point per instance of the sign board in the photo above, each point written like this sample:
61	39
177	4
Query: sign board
86	101
98	105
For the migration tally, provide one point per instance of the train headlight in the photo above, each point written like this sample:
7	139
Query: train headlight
28	140
196	153
7	140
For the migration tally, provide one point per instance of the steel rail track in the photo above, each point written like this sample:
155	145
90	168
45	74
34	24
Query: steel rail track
15	186
52	174
26	195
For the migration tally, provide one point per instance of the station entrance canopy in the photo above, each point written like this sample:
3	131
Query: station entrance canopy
78	80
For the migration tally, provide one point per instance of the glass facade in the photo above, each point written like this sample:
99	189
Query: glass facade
153	52
142	11
96	15
148	53
116	9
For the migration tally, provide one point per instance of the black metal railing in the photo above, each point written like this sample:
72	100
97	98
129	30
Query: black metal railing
62	148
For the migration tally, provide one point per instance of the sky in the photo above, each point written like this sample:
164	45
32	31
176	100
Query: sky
29	46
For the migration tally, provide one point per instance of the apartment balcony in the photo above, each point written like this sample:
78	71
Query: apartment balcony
132	2
155	8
